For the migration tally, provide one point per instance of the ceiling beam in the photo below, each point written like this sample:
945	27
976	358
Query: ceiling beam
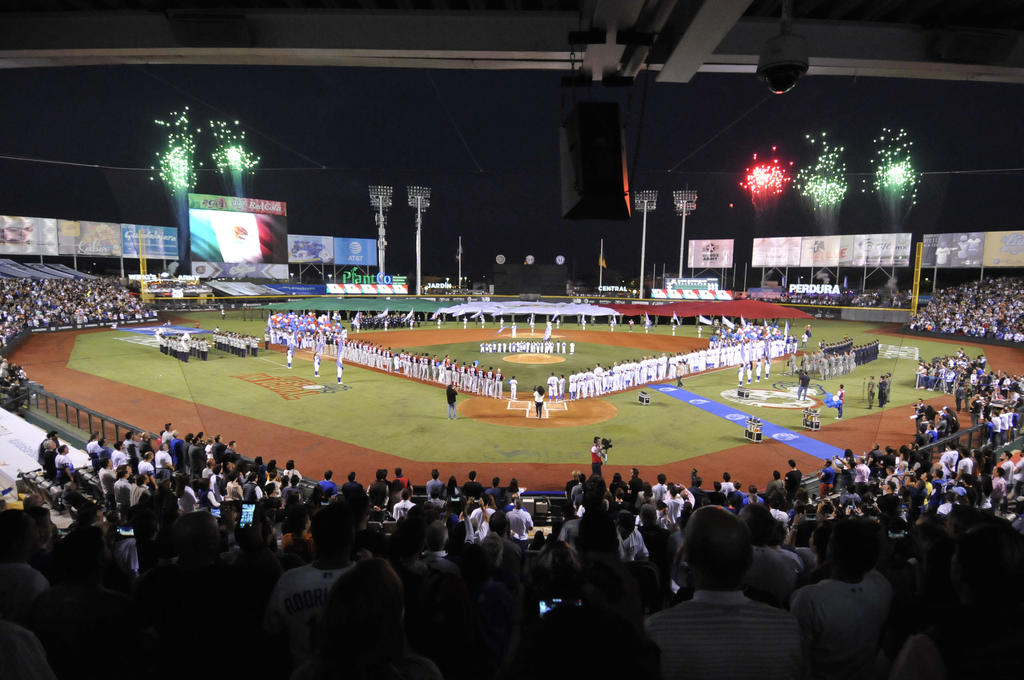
700	37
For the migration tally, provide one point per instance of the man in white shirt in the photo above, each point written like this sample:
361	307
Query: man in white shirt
300	597
631	541
400	509
659	490
163	463
520	523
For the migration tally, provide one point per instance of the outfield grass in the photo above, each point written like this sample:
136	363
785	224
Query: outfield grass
405	418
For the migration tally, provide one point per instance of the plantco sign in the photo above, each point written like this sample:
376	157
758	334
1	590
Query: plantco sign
353	276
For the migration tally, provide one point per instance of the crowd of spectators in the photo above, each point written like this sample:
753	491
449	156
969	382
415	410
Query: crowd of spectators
882	297
992	308
452	579
40	303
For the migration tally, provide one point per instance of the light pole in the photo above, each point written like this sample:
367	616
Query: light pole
380	199
419	198
686	203
645	201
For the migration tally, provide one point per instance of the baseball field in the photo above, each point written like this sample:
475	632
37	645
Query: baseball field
377	419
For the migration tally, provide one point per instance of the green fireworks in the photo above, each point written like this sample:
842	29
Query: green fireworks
895	176
824	182
230	154
175	164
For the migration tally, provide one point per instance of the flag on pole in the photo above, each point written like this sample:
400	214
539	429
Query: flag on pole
408	317
704	320
675	318
531	319
458	253
547	332
743	322
382	314
600	258
728	324
435	314
477	315
785	333
647	321
358	318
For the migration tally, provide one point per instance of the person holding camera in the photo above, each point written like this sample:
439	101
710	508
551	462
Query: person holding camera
596	457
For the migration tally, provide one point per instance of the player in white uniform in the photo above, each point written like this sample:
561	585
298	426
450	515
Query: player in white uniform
573	386
289	354
757	369
552	387
341	366
561	388
739	374
316	365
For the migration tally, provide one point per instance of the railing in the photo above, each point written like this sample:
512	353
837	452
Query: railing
971	437
84	418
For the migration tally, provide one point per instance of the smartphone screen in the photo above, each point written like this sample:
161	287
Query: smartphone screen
545	606
248	509
126	531
215	512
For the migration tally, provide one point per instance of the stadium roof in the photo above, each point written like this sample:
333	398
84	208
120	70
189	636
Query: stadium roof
609	40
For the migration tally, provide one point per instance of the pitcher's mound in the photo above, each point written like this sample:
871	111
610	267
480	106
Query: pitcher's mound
521	413
534	359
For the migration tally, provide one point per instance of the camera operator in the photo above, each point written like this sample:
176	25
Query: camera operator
596	457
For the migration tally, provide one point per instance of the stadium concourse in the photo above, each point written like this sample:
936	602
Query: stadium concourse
871	579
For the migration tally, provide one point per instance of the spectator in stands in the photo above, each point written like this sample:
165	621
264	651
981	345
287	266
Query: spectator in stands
434	483
369	591
352	487
793	479
327	485
472	488
300	597
19	582
400	509
67	615
689	635
842	617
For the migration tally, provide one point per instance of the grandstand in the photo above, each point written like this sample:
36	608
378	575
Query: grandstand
357	428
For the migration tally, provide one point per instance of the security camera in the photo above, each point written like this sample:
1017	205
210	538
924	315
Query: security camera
783	60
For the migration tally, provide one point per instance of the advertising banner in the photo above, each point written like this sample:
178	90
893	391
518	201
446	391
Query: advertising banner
819	251
239	270
299	288
27	235
711	254
853	250
953	250
783	251
311	249
692	284
355	251
98	239
260	206
160	243
1004	249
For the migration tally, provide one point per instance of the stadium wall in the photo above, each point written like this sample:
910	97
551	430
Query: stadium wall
976	340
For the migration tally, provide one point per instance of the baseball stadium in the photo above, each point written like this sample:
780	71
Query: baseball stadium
444	335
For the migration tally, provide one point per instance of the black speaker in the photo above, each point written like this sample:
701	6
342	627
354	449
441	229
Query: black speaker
595	182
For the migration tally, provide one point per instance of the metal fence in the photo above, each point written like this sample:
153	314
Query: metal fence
971	438
78	416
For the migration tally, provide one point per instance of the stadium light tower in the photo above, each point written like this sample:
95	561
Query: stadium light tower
686	202
645	201
419	198
380	199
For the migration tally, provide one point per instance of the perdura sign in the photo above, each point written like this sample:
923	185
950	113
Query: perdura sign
353	276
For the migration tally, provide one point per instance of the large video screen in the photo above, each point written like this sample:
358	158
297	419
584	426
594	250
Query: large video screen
957	250
237	230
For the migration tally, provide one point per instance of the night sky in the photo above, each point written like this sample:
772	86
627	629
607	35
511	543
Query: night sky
324	134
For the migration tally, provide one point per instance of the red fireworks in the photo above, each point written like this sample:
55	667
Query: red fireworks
765	181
